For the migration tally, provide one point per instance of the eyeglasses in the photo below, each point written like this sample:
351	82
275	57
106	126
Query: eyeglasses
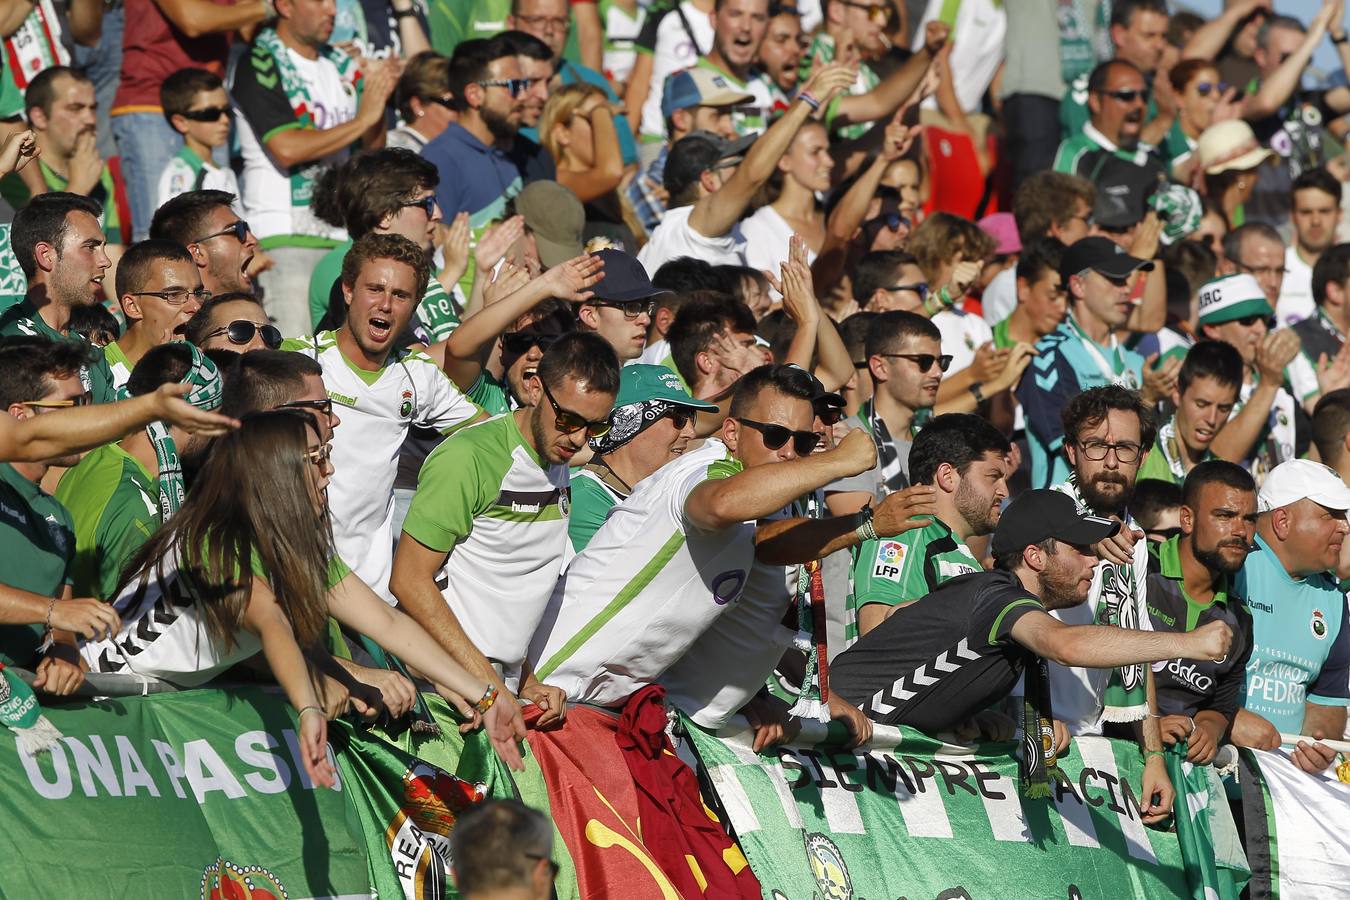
514	86
860	364
241	331
892	221
680	416
775	436
1139	95
427	204
1096	450
238	228
520	342
178	297
1263	271
319	455
1249	321
923	360
569	422
82	400
632	309
324	406
209	114
879	13
919	287
1204	88
544	23
447	102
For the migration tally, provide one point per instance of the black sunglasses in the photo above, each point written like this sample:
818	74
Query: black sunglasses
918	287
324	406
447	102
239	228
923	360
680	416
427	204
828	413
775	436
1140	95
1163	534
209	114
520	342
1205	87
241	331
569	422
631	309
1249	321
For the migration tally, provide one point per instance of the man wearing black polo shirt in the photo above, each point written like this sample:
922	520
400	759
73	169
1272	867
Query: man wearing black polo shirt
935	663
1189	586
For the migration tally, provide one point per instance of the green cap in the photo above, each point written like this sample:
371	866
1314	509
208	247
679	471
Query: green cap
1232	297
640	383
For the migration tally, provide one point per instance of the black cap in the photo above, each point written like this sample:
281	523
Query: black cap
695	154
1038	515
1122	196
822	397
1101	255
623	278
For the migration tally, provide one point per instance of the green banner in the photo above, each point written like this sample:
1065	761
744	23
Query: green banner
910	817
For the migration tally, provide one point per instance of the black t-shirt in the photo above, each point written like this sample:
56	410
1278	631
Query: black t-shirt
1187	686
934	663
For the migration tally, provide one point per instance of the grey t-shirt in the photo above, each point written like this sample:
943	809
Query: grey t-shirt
871	481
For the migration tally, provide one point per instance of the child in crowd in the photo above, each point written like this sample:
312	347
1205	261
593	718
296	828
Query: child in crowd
1156	506
197	107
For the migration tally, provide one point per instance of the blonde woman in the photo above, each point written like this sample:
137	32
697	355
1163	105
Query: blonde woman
577	129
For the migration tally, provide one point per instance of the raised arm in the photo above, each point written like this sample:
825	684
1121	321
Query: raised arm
1207	40
606	171
1276	90
784	542
894	89
1104	646
1239	434
196	18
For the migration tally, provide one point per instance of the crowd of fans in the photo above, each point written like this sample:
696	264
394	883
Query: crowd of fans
536	352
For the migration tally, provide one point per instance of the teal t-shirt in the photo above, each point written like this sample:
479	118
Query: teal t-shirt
1301	641
23	318
592	500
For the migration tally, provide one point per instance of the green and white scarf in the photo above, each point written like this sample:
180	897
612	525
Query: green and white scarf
271	62
21	714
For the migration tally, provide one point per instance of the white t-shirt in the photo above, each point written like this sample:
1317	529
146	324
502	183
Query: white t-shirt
962	334
766	235
1296	299
1000	297
376	415
674	238
977	46
646	587
654	354
180	177
266	187
673	52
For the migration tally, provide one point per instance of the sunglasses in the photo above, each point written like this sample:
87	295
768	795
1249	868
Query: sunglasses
520	342
1249	321
877	12
828	414
514	86
82	400
775	436
324	406
427	204
1140	95
569	422
923	360
319	455
238	228
439	101
178	297
631	309
1205	88
680	416
209	114
919	287
241	331
1161	535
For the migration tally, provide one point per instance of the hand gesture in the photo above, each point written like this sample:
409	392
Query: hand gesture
733	360
1334	374
87	618
552	700
1211	641
453	239
898	139
504	282
935	36
1119	548
505	728
845	49
799	294
60	672
856	453
989	362
18	151
377	84
173	409
1160	381
1018	360
1228	107
828	81
86	166
1147	236
497	240
314	749
900	511
963	276
570	280
1276	351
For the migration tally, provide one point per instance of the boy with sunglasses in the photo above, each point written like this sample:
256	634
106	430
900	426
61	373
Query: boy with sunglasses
197	107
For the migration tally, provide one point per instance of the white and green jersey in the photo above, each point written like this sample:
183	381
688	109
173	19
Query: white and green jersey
119	365
377	409
189	172
485	498
648	584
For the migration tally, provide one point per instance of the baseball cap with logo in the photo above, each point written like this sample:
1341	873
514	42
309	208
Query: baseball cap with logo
1100	255
695	154
646	393
1292	481
700	87
556	218
1038	515
1232	297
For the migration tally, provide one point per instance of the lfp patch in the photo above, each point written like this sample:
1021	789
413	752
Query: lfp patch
890	560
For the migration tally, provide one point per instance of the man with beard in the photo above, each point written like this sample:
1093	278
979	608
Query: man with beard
738	30
1189	585
1316	213
1117	99
221	243
1207	391
536	66
160	291
962	457
780	53
489	520
63	253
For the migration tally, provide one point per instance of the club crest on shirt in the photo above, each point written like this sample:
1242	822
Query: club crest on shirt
405	407
890	557
1319	625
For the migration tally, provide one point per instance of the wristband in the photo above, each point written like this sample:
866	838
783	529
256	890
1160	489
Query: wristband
945	298
1338	40
865	530
408	13
809	99
1158	753
305	709
975	389
51	605
485	702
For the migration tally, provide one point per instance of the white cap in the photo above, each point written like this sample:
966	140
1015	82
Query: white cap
1291	481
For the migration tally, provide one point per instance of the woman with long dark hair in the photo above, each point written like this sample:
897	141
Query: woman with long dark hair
247	565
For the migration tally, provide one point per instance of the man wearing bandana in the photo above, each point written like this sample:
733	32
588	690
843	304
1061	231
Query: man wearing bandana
652	423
